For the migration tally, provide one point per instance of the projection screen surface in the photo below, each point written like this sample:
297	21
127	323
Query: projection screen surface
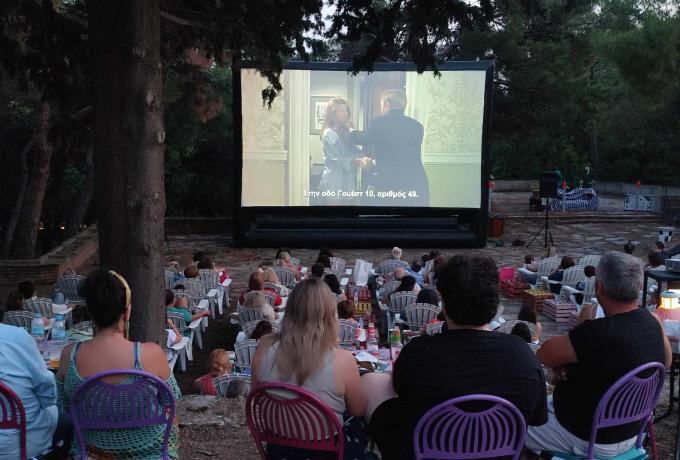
382	139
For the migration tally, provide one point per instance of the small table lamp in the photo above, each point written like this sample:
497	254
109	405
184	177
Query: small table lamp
669	307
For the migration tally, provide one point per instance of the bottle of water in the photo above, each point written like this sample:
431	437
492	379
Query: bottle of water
59	328
37	327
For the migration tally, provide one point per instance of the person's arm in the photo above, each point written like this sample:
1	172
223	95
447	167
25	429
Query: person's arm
355	396
266	341
199	315
42	379
175	331
154	360
557	351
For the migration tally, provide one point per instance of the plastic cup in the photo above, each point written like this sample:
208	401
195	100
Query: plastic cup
54	348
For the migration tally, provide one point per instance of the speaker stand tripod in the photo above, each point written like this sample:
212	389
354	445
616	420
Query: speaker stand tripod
545	228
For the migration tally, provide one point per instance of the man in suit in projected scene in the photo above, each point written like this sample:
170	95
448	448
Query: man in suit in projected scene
396	141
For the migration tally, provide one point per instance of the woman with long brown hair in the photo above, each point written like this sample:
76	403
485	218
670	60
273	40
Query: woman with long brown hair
304	353
339	153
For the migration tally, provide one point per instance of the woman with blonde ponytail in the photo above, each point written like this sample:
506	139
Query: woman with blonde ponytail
304	353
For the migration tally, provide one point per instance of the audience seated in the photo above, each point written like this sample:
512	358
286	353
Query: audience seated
256	283
304	354
438	261
27	289
333	283
589	272
23	370
661	249
206	263
256	299
324	260
219	365
15	301
415	270
528	313
396	253
191	271
522	331
198	256
629	248
318	270
428	295
408	284
270	276
593	356
108	300
465	359
346	309
557	275
180	306
262	328
655	261
284	261
325	251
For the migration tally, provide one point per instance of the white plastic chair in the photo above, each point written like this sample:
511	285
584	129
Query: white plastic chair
591	259
181	325
40	305
346	334
286	276
389	265
19	318
248	328
169	278
69	286
398	301
569	292
211	280
570	277
222	382
545	267
338	264
244	353
179	352
418	315
247	315
278	288
271	297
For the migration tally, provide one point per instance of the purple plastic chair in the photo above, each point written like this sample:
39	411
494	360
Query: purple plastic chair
288	415
630	399
446	431
144	401
12	416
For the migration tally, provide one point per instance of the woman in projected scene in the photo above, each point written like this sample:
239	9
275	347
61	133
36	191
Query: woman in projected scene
340	155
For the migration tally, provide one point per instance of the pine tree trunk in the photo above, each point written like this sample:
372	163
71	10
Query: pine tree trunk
83	202
8	237
128	139
26	233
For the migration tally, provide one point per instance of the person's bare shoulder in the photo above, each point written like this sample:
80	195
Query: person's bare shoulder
154	360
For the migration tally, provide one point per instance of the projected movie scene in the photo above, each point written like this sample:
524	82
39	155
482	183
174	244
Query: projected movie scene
384	139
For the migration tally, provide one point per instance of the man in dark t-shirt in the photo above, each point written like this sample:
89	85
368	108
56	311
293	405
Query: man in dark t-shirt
464	360
593	357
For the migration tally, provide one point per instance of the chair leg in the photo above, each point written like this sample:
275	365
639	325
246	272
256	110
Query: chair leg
183	359
198	338
190	348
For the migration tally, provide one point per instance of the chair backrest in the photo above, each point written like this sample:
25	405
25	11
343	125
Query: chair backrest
249	327
507	326
399	300
338	264
447	431
279	289
142	401
245	351
195	287
210	278
13	416
169	276
434	328
247	315
69	286
388	266
418	315
288	415
589	288
547	266
573	275
40	305
389	288
178	320
331	271
632	398
589	260
222	382
346	334
19	318
286	276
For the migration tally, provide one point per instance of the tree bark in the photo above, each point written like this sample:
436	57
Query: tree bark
8	237
26	234
128	139
83	202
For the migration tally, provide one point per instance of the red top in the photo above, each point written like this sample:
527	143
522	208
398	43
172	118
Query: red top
205	383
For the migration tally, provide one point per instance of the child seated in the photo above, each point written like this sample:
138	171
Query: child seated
181	306
264	327
588	271
528	314
346	309
219	365
522	331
